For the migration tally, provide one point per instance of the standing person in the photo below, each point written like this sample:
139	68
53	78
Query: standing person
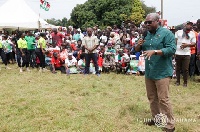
198	48
71	64
7	50
185	39
22	45
193	55
57	64
90	43
30	39
3	56
40	51
159	47
57	37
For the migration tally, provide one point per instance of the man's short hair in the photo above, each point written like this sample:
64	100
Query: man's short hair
89	28
54	30
42	34
155	16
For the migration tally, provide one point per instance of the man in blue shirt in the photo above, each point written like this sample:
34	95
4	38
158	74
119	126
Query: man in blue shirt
158	46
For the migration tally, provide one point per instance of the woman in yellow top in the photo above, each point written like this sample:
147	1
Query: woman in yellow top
22	45
40	51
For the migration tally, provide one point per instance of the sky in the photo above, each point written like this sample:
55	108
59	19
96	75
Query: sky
175	11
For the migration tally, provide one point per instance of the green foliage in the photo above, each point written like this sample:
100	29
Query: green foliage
148	9
58	22
138	13
105	13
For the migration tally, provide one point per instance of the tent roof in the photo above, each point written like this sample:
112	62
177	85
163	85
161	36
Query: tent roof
17	14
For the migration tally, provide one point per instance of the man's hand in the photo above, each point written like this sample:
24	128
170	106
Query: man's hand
148	54
90	50
139	45
183	46
23	54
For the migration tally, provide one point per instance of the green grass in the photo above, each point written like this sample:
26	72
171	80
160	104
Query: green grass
44	102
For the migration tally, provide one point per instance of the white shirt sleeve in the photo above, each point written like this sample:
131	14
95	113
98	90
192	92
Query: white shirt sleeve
193	39
80	62
176	34
67	61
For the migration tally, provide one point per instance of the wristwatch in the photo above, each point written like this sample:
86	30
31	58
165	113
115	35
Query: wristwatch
155	52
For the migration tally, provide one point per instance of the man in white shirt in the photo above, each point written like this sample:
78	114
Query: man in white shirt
71	64
90	43
185	39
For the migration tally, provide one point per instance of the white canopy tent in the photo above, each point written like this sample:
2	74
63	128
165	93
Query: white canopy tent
17	14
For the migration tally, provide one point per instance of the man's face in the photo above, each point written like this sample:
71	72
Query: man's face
89	32
112	35
188	26
60	28
70	57
108	56
79	42
29	34
55	32
151	23
23	35
121	53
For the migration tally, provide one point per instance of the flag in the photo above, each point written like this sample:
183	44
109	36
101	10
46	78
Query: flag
41	1
45	5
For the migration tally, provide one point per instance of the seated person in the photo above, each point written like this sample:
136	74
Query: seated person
78	50
56	64
123	63
49	53
73	45
50	50
81	64
110	48
100	60
63	53
71	64
108	63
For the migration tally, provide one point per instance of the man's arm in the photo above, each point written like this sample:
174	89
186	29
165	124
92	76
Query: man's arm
94	47
84	44
40	43
192	44
170	45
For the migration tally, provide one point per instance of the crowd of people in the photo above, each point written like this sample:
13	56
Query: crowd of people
95	51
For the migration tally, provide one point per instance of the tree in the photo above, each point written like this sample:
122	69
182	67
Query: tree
101	12
105	13
148	9
138	14
58	22
52	21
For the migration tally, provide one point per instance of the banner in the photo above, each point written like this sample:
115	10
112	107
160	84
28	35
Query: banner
45	5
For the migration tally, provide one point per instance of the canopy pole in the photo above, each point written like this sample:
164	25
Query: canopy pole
39	25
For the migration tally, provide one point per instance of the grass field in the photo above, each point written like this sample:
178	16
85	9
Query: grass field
45	102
